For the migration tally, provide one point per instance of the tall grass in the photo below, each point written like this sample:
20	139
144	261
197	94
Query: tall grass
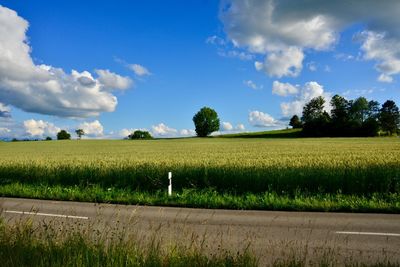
23	245
208	198
354	166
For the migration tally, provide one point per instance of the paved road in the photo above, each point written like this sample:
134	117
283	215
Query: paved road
269	234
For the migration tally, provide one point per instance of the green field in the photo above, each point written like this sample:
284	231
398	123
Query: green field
289	167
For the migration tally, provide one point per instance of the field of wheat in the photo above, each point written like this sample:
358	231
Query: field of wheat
357	166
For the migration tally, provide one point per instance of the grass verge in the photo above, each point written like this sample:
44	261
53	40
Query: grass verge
22	245
25	244
209	198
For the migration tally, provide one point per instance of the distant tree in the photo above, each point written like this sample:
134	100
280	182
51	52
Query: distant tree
140	135
316	121
370	127
389	117
340	115
48	138
206	121
313	109
79	133
359	110
295	122
373	109
63	135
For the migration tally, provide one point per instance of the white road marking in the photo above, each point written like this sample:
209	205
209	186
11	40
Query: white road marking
46	214
366	233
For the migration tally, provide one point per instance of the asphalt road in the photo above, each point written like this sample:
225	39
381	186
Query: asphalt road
269	234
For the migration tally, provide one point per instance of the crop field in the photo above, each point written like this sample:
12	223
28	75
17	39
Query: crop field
346	166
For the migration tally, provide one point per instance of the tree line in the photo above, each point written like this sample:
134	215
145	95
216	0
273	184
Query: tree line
348	118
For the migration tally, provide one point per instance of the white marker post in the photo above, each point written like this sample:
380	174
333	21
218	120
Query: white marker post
170	184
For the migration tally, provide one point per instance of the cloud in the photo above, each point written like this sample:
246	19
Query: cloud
45	89
187	132
327	68
139	70
109	80
252	85
284	29
226	126
92	129
261	119
385	78
4	130
312	66
309	91
224	49
386	51
357	92
40	128
163	130
125	132
240	127
284	89
344	57
215	40
235	54
285	62
4	111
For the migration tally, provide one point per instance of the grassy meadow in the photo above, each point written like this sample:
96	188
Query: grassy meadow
364	169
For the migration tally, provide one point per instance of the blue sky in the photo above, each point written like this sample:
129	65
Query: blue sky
254	69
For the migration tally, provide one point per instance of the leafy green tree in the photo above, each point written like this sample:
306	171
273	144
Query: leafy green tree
316	120
137	135
313	109
63	135
48	138
359	110
373	109
389	117
340	116
295	122
206	121
79	133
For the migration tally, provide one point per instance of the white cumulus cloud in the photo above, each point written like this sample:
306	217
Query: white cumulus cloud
283	89
92	129
261	119
45	89
187	132
285	62
386	51
226	126
163	130
309	91
109	80
240	127
40	128
281	30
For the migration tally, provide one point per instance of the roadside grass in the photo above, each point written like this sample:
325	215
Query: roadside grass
25	243
209	198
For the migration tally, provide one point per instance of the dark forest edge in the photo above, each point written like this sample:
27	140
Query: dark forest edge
347	118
